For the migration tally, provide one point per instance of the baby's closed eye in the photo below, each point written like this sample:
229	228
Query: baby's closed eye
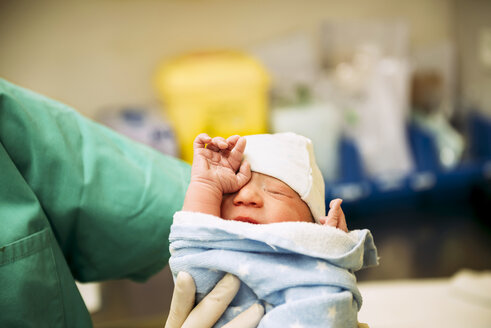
273	191
278	192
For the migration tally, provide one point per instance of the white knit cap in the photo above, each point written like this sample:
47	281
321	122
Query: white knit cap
290	158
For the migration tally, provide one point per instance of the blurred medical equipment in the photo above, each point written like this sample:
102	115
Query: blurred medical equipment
143	125
376	150
292	62
294	68
221	93
366	75
358	89
432	100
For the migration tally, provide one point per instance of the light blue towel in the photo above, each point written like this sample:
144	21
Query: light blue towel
301	272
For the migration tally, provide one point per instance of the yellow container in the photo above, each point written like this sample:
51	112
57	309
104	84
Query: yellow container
221	93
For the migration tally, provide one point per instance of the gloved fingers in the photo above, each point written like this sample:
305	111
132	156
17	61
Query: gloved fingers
248	319
211	308
182	300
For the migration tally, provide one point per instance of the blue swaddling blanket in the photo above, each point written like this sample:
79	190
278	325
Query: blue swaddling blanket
302	273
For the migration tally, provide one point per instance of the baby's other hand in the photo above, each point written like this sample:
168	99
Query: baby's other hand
335	217
218	162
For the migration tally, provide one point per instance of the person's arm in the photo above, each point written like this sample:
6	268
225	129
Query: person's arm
109	200
217	169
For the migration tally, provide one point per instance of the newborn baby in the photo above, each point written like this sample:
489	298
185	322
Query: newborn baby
300	271
263	195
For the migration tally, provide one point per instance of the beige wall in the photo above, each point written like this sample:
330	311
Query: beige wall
91	54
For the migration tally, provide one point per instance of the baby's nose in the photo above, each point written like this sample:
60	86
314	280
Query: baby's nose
248	196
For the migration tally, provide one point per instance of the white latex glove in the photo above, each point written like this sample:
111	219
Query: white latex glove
211	308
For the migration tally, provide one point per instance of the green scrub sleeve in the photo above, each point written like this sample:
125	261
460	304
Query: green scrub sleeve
109	200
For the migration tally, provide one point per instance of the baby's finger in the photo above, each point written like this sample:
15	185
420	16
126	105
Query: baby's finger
240	144
244	174
336	217
342	221
333	215
212	147
201	140
335	204
330	220
214	155
219	142
232	140
235	157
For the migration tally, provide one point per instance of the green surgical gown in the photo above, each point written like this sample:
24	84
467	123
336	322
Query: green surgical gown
77	201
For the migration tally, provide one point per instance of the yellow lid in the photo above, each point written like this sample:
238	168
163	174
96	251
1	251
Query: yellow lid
210	69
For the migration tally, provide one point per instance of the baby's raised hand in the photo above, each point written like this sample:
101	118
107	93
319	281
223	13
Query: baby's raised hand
218	163
335	217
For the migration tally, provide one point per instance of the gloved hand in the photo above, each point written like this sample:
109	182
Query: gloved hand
211	308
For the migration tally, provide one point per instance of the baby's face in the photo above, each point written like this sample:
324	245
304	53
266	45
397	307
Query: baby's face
265	199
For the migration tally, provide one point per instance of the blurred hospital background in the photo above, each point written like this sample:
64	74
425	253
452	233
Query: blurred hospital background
396	96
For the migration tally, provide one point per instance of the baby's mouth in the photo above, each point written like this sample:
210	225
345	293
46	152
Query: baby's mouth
246	219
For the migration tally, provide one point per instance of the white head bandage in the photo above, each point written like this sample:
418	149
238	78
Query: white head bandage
289	157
